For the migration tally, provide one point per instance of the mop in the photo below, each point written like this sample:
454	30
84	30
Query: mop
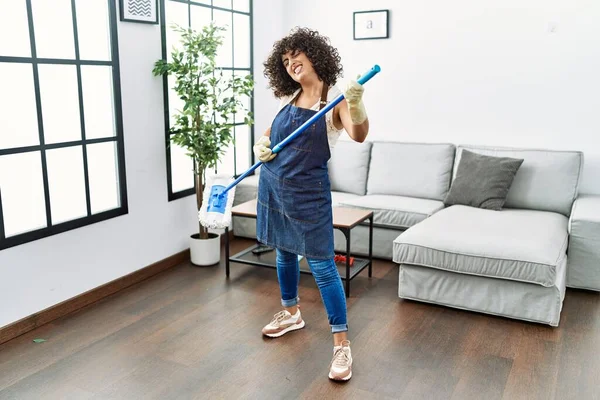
217	202
218	195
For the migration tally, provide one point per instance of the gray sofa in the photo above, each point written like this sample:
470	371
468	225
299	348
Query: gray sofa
510	263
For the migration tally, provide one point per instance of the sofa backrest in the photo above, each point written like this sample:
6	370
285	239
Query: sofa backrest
348	166
422	170
548	180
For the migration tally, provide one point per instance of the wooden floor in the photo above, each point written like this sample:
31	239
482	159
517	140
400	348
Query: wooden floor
189	333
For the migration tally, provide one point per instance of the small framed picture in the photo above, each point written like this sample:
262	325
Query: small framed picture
371	24
144	11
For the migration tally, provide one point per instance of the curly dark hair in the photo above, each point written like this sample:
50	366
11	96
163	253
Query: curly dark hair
323	56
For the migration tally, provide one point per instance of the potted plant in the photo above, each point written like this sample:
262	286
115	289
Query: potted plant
204	126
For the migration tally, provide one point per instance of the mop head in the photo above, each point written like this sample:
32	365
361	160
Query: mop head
216	206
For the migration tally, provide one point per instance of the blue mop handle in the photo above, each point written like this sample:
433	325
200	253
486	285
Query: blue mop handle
362	80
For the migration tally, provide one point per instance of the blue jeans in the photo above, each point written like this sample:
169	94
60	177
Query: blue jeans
328	280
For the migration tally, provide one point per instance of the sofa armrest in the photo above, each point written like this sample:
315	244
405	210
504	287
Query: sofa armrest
583	256
586	209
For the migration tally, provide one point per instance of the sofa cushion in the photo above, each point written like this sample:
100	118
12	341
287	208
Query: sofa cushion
482	181
246	190
348	166
422	170
339	197
519	245
395	211
548	180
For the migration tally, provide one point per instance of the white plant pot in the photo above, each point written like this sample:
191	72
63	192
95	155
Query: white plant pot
205	251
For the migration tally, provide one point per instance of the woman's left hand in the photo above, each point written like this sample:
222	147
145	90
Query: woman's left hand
353	94
351	114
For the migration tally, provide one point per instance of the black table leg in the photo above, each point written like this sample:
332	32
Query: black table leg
348	263
227	252
371	246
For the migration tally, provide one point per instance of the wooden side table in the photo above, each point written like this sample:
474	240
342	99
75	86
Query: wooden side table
344	219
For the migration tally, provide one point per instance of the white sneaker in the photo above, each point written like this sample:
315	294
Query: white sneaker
282	323
341	364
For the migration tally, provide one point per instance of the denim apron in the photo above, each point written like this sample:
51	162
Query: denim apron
294	211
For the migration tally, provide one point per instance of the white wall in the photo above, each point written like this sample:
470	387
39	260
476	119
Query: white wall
40	274
473	72
268	27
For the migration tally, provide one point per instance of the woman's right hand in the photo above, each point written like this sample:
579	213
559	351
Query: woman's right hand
262	149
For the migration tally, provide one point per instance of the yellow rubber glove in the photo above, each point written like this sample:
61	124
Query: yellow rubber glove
353	94
262	149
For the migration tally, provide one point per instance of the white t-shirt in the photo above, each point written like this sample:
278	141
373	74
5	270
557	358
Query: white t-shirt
333	133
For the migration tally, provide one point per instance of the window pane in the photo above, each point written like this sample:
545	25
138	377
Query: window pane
104	178
234	24
201	17
14	25
242	148
176	13
241	46
225	164
18	113
175	103
22	191
239	116
60	103
182	169
66	184
227	74
224	53
98	104
241	5
53	26
222	3
93	29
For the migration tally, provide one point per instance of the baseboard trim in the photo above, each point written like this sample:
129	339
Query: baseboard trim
76	303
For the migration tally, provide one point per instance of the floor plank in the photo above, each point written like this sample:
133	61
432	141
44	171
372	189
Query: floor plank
190	333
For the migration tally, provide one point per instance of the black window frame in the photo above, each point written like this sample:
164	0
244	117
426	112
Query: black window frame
42	147
167	118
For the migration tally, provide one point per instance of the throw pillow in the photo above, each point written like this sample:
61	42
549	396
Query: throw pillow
482	181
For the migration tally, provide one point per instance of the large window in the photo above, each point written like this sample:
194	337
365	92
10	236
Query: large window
61	142
234	58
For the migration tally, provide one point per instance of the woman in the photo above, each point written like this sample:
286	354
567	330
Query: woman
294	212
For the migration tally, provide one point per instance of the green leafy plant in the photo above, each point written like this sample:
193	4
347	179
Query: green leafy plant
205	124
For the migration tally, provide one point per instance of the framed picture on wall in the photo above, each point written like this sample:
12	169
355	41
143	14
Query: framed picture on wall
371	24
144	11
